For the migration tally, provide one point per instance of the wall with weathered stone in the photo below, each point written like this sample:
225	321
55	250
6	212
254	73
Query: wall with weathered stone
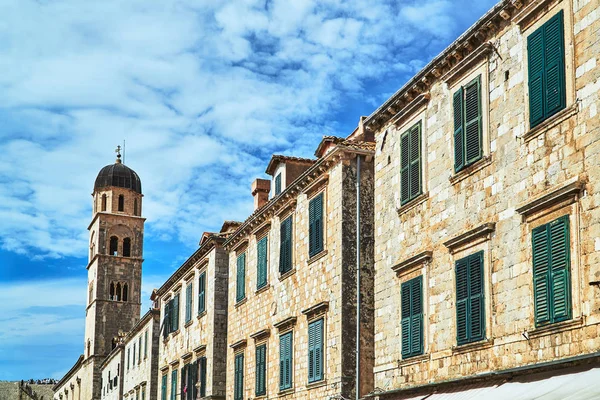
519	166
111	389
139	375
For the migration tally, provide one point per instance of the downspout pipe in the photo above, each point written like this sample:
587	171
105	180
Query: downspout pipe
358	297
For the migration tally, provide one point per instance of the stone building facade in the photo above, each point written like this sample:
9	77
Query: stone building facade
111	382
292	278
114	276
193	332
487	218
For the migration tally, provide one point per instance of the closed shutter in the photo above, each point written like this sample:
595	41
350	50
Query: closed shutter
415	160
174	385
285	250
188	303
239	377
262	263
459	160
166	324
541	276
261	354
473	121
202	293
277	184
145	345
412	317
175	311
184	382
470	302
315	351
285	362
315	223
241	277
405	168
202	373
163	388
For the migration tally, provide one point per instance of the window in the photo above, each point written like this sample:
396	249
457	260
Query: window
202	293
201	368
163	388
114	243
238	390
140	349
121	202
143	393
125	292
285	361
315	351
277	184
410	164
145	344
412	317
128	356
285	247
240	288
133	363
126	247
103	202
174	384
551	272
546	64
188	379
118	292
188	302
261	273
261	370
468	142
112	291
135	207
470	322
171	318
315	225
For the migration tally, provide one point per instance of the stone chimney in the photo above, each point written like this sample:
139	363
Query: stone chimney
260	192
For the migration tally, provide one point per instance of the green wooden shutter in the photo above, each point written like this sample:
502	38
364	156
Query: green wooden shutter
261	354
476	298
202	293
241	277
285	361
473	139
262	263
285	251
174	384
184	377
541	276
554	65
202	373
560	256
239	377
315	351
277	184
535	61
415	160
405	290
194	372
462	300
163	393
315	223
175	313
459	159
404	168
412	317
188	303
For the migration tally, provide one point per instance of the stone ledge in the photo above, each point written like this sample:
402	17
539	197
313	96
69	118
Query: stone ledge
476	346
524	17
316	310
313	385
202	314
286	392
238	345
263	333
408	265
200	348
241	302
317	256
410	109
568	193
474	236
263	288
556	327
466	64
420	199
287	274
551	122
405	362
471	169
285	323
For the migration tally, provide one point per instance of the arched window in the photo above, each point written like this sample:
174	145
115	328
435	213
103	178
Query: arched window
112	291
118	292
114	243
135	207
126	247
125	292
103	202
121	202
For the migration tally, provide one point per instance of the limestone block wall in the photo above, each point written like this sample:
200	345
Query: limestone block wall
111	388
519	166
205	334
327	277
139	372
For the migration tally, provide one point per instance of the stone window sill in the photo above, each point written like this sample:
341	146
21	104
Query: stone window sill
241	302
480	345
190	322
317	256
551	122
173	334
285	392
287	274
470	170
202	314
317	384
556	327
420	199
405	362
262	289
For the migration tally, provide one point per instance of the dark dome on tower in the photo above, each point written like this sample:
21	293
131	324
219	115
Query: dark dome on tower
118	175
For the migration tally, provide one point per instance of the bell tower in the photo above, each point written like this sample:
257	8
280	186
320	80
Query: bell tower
115	262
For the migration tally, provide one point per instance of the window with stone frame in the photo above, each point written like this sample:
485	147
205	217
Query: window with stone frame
470	302
315	225
285	246
315	350
202	293
188	302
468	124
261	370
262	261
412	317
240	284
278	184
285	360
238	380
411	185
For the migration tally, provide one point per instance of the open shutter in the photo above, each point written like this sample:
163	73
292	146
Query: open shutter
318	346
473	121
405	317
175	311
405	168
476	314
462	300
541	283
311	352
415	160
282	356
285	253
239	377
165	328
318	223
311	228
536	68
416	321
188	303
459	159
559	254
261	353
554	65
241	277
262	262
202	293
163	388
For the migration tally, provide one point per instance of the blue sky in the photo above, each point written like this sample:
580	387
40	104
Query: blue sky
203	92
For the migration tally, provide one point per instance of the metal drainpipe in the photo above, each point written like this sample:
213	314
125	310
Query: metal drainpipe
358	299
